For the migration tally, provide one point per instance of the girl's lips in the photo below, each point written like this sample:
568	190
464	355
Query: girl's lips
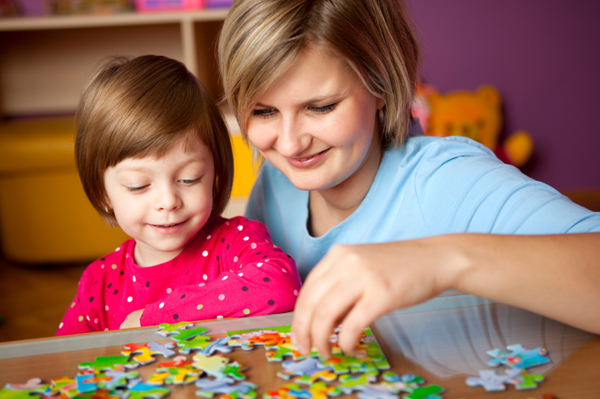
167	228
308	162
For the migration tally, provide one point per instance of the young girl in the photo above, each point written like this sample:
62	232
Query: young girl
154	157
378	218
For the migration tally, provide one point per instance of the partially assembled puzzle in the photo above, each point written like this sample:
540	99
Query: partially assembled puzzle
193	357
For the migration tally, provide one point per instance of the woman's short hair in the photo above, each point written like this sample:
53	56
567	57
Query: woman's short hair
139	107
262	38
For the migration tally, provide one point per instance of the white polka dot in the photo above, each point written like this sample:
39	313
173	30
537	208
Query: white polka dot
296	292
240	227
134	279
118	249
88	318
224	278
106	308
201	285
60	326
246	238
235	259
95	321
129	299
227	223
221	297
205	254
253	245
259	264
267	260
102	266
205	277
162	304
283	270
209	236
106	329
169	290
240	274
219	317
127	255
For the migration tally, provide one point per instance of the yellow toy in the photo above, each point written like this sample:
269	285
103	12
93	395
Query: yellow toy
477	115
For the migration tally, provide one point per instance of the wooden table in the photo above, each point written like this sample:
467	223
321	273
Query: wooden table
444	341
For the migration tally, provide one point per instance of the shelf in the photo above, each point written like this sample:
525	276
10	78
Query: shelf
96	21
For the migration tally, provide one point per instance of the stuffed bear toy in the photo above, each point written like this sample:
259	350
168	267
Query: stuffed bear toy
476	115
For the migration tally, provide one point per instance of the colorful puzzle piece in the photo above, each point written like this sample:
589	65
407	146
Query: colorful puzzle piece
166	329
178	372
29	390
492	381
349	383
305	367
518	357
318	390
141	353
208	388
428	392
106	363
526	381
211	365
166	350
147	391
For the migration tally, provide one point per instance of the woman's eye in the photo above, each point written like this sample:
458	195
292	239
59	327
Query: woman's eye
263	112
138	188
323	109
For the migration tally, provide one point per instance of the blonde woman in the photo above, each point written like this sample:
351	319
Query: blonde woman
377	216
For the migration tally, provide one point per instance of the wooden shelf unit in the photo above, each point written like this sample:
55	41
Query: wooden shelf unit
44	61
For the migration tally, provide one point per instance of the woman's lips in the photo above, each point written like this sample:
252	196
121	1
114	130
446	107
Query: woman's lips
308	162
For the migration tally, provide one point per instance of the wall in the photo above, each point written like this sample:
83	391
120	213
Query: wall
542	55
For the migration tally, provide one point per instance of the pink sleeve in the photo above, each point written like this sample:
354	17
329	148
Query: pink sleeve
79	317
255	278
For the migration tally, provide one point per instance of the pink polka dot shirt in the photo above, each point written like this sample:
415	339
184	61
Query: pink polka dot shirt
230	269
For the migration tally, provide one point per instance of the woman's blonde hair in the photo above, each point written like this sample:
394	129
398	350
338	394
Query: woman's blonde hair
262	38
140	107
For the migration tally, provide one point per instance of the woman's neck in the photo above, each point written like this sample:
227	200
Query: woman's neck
331	206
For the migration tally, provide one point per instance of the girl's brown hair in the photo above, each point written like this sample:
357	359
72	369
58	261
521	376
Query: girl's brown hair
262	38
140	107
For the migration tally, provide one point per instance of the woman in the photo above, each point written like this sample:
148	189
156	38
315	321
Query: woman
381	216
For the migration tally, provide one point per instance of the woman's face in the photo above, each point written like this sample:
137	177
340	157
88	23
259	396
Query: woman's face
317	124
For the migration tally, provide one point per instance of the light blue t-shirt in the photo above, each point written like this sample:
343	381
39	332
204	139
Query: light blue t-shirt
429	186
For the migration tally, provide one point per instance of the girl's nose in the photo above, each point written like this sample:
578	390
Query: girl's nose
291	139
168	199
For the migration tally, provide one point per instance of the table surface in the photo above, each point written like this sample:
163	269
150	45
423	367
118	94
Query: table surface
444	341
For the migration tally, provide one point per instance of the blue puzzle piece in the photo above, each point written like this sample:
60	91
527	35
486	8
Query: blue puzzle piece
492	381
305	367
208	387
518	357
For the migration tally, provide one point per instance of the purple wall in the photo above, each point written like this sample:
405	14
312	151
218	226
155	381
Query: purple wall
543	57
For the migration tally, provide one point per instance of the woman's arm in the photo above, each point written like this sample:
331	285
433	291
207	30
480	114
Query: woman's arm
557	276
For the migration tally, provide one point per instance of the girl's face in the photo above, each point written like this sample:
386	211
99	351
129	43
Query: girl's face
316	124
162	203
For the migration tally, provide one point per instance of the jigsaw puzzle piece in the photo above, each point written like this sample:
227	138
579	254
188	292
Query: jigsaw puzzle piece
402	382
147	391
428	392
211	365
31	389
65	386
166	350
318	390
349	383
526	381
167	329
304	367
178	373
225	386
107	363
492	381
518	357
141	353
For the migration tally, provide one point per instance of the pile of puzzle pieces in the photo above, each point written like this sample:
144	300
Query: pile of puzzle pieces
213	373
518	359
365	374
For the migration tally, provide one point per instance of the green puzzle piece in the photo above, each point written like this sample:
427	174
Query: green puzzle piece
105	363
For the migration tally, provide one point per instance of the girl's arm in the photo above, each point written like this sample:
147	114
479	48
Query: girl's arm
255	278
557	276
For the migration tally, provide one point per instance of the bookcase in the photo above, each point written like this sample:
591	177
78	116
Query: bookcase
44	62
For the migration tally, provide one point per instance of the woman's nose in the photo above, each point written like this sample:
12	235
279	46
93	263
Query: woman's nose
291	139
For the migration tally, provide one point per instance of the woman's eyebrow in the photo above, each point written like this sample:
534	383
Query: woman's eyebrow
309	101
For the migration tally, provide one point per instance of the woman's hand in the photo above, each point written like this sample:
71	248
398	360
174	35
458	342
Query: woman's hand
132	320
356	284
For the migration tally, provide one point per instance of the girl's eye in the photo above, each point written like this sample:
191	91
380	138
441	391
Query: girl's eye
323	109
263	112
134	189
190	182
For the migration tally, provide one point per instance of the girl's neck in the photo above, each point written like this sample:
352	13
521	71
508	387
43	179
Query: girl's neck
329	207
